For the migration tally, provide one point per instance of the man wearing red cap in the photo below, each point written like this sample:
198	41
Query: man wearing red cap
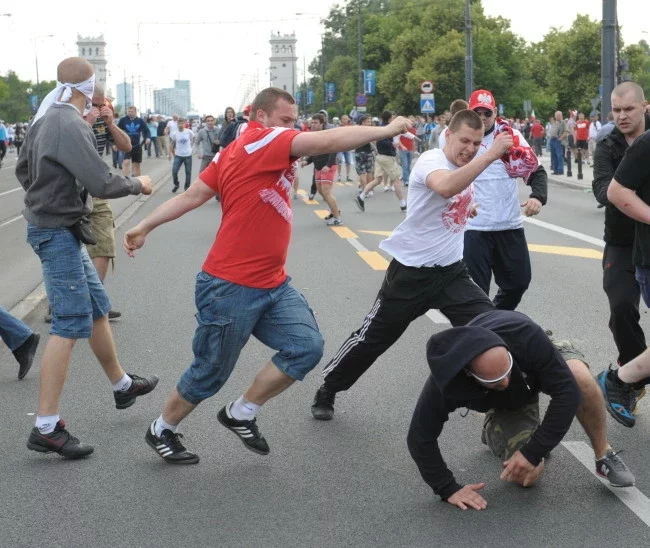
494	240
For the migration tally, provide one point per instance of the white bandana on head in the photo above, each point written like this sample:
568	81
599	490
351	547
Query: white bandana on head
62	93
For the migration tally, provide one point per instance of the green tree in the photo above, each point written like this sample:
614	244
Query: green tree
15	94
573	70
638	58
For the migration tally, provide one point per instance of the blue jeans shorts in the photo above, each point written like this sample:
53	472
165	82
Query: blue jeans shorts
228	314
76	294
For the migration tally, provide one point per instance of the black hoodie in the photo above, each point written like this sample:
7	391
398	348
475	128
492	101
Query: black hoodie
538	367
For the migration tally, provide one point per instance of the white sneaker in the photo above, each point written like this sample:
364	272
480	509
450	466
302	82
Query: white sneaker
386	189
391	188
370	194
334	221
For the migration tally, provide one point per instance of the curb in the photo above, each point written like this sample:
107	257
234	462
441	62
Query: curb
27	305
571	184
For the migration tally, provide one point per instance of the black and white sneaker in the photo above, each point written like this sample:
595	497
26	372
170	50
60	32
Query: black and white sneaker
361	204
169	447
247	431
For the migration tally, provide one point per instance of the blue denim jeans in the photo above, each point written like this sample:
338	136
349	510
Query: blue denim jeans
228	314
178	162
642	275
76	294
406	156
13	331
557	155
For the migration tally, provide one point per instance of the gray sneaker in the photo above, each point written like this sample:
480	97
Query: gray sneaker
612	467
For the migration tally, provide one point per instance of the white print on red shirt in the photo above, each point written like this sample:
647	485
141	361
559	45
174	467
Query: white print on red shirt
454	217
279	197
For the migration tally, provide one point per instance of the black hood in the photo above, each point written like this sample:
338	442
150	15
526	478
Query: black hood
449	352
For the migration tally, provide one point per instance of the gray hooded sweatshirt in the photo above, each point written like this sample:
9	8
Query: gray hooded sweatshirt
58	163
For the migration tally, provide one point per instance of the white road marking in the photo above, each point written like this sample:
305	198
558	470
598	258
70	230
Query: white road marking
566	231
634	499
10	191
6	223
436	317
354	242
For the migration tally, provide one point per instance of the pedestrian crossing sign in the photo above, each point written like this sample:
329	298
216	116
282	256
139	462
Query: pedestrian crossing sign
427	103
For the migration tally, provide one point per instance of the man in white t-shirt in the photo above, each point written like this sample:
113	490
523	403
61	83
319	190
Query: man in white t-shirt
495	242
427	270
181	149
172	127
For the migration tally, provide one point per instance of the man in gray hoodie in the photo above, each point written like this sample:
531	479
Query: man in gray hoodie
60	170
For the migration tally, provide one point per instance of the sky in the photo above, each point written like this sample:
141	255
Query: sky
220	47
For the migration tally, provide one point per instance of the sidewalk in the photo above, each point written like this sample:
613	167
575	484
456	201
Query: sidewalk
160	172
573	181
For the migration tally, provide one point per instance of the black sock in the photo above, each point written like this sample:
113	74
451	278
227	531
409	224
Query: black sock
613	375
641	384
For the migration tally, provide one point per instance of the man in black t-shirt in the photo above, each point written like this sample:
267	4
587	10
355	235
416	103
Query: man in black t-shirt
163	140
629	191
136	128
386	167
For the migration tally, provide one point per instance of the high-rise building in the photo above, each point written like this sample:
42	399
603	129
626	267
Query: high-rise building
124	92
176	100
283	60
93	50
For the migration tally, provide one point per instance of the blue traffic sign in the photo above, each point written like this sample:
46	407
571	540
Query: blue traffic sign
330	92
370	82
427	103
361	100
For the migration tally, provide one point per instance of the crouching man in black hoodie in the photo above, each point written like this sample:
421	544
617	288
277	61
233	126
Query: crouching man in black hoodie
498	364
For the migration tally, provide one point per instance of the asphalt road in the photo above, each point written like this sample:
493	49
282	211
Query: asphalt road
20	272
349	482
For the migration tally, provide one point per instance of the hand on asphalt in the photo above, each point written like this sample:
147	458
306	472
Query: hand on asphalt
468	497
519	470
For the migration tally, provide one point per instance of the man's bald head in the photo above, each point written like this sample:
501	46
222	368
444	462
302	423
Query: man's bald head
629	87
98	95
492	364
74	70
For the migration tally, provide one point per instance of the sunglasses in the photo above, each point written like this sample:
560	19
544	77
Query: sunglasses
493	381
484	113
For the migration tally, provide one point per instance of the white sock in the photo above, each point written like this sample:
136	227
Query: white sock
402	203
47	423
363	195
244	410
123	384
159	425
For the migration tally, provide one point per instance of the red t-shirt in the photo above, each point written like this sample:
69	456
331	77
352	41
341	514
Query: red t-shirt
407	143
254	176
537	130
582	130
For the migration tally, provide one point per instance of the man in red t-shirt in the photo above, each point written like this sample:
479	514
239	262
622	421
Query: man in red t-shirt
406	146
537	133
243	289
582	136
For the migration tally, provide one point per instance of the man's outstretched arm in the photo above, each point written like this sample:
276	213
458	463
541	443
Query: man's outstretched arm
196	195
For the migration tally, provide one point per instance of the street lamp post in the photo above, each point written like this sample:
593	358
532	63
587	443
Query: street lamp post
360	49
469	59
608	55
38	82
